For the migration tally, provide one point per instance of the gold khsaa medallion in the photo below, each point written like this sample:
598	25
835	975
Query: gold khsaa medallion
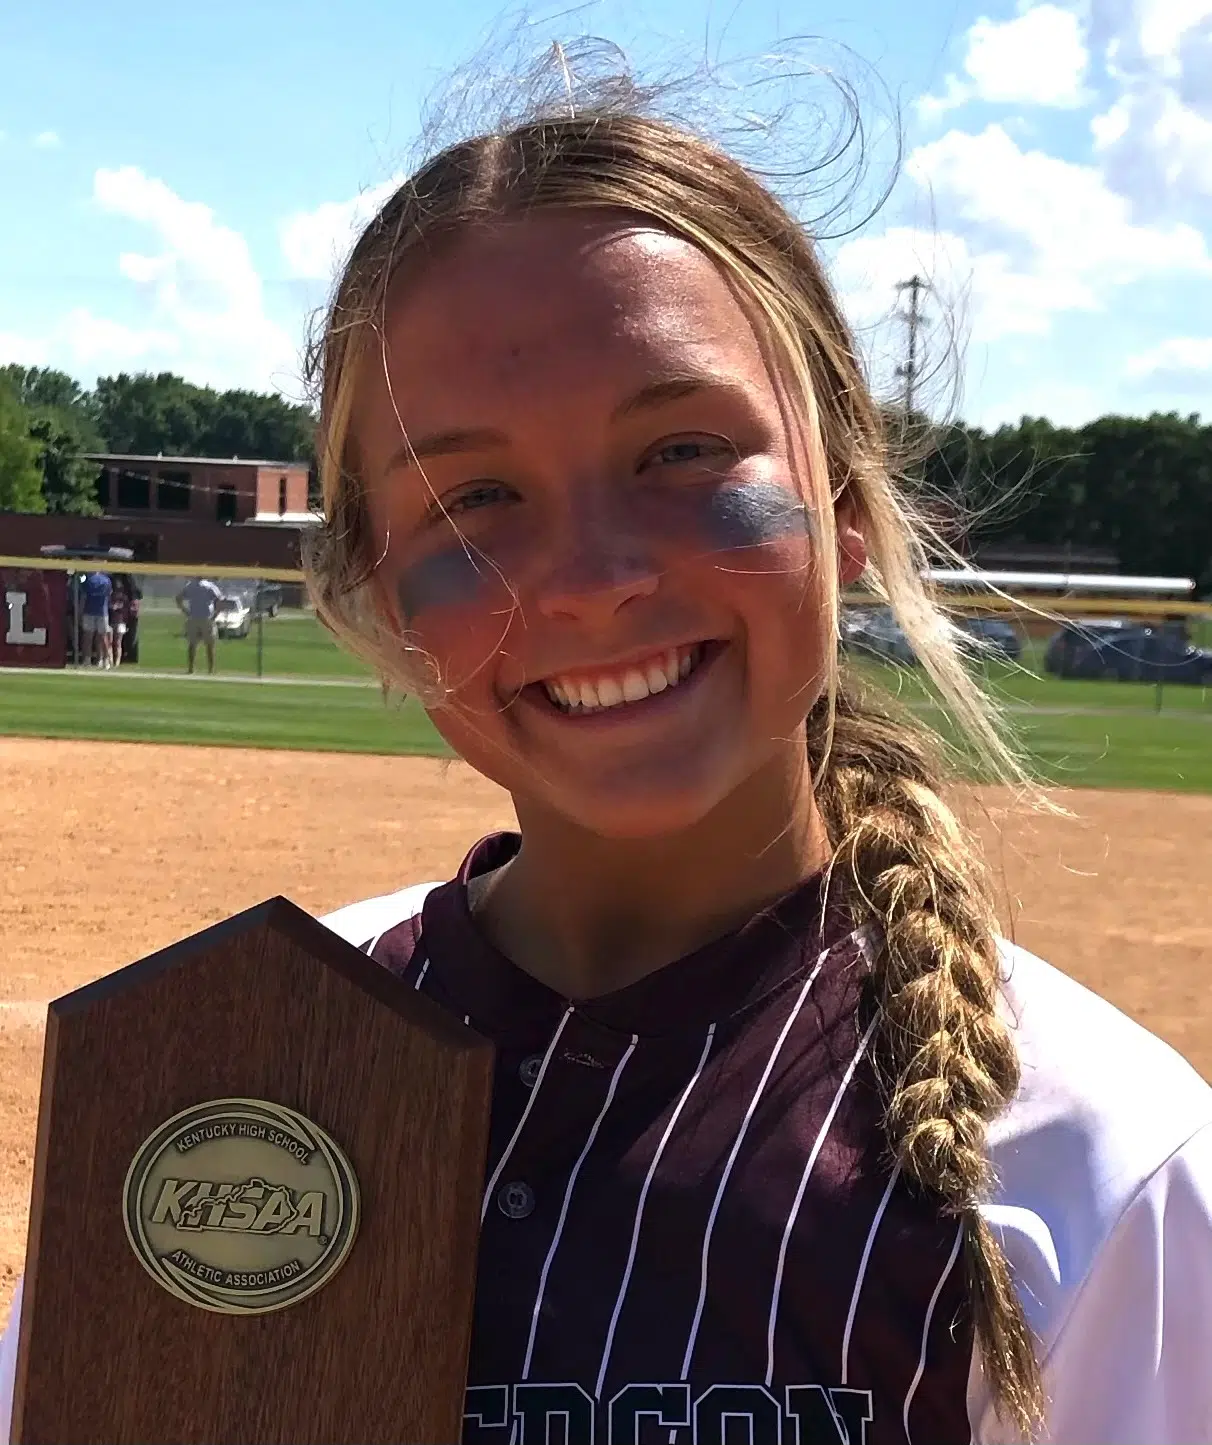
240	1206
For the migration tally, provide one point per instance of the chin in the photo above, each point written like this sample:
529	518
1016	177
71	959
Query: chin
631	807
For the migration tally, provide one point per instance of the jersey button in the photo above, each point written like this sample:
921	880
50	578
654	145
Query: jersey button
516	1200
530	1070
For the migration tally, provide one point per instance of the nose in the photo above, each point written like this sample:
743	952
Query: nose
598	565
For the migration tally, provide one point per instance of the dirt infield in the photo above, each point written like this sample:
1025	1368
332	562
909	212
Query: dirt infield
111	851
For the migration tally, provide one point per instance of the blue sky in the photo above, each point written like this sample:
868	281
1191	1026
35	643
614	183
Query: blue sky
178	180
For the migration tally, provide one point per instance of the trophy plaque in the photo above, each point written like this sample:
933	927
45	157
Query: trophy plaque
255	1201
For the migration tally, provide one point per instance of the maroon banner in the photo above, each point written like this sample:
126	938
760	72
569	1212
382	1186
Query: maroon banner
33	617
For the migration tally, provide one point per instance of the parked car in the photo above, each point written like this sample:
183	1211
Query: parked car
995	636
233	616
875	631
243	603
264	597
1127	652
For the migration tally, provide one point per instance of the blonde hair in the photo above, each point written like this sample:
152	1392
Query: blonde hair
946	1060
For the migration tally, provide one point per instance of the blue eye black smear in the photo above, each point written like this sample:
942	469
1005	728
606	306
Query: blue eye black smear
450	578
722	519
750	515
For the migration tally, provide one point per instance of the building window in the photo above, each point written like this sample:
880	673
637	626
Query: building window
225	503
281	496
102	487
134	491
172	492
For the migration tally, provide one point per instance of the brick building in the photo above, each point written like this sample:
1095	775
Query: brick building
202	489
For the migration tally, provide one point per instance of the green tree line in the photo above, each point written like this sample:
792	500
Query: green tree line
49	423
1140	487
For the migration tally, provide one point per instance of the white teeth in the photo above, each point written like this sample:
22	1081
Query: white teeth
610	694
635	686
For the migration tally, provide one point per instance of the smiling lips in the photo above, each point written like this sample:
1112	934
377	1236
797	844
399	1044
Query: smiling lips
577	695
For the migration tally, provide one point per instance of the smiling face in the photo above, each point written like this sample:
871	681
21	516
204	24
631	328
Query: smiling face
581	486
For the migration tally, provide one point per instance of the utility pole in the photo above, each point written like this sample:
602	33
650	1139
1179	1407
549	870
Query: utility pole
908	370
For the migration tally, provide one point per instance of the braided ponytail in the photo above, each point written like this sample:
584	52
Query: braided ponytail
946	1061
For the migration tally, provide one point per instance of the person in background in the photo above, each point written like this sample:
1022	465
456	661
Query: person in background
199	600
95	619
119	613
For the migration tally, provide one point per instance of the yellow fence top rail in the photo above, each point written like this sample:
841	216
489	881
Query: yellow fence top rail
150	569
1105	606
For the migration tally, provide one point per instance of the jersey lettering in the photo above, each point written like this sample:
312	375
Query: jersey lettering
540	1413
737	1415
552	1415
828	1417
666	1405
486	1408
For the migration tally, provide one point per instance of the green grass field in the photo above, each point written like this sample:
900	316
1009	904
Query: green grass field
294	644
1081	734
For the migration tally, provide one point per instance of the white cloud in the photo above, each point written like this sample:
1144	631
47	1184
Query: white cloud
1019	239
1051	217
1163	24
1038	58
199	304
315	243
1154	140
1188	357
47	140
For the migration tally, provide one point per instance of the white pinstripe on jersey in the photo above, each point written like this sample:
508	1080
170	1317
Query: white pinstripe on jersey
814	1153
571	1185
862	1272
921	1362
732	1157
517	1133
639	1210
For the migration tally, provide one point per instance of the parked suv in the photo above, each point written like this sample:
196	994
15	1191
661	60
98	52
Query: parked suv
876	631
1127	652
242	603
996	636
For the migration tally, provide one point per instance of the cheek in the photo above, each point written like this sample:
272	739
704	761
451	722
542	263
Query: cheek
454	579
751	514
457	608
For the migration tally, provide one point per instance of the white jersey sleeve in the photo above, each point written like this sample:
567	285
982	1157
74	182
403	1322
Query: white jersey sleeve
361	924
8	1367
1104	1208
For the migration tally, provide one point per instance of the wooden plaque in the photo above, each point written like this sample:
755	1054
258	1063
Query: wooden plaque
255	1202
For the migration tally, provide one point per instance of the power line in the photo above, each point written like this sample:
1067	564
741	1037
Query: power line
910	369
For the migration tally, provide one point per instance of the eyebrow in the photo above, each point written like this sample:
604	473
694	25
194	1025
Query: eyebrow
662	391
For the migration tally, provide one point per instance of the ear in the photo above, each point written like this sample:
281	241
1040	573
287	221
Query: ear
851	542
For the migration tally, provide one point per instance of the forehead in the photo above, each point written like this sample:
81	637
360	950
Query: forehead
567	299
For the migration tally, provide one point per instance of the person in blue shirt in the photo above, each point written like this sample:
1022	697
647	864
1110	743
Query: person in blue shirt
95	619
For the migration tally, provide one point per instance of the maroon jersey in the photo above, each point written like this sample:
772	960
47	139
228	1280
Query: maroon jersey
691	1232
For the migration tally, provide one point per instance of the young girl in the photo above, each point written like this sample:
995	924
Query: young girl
787	1144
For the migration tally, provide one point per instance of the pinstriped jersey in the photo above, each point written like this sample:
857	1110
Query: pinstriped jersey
690	1231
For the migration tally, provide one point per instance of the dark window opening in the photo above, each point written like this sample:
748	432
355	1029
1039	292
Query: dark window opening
134	490
281	496
102	488
225	503
172	492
